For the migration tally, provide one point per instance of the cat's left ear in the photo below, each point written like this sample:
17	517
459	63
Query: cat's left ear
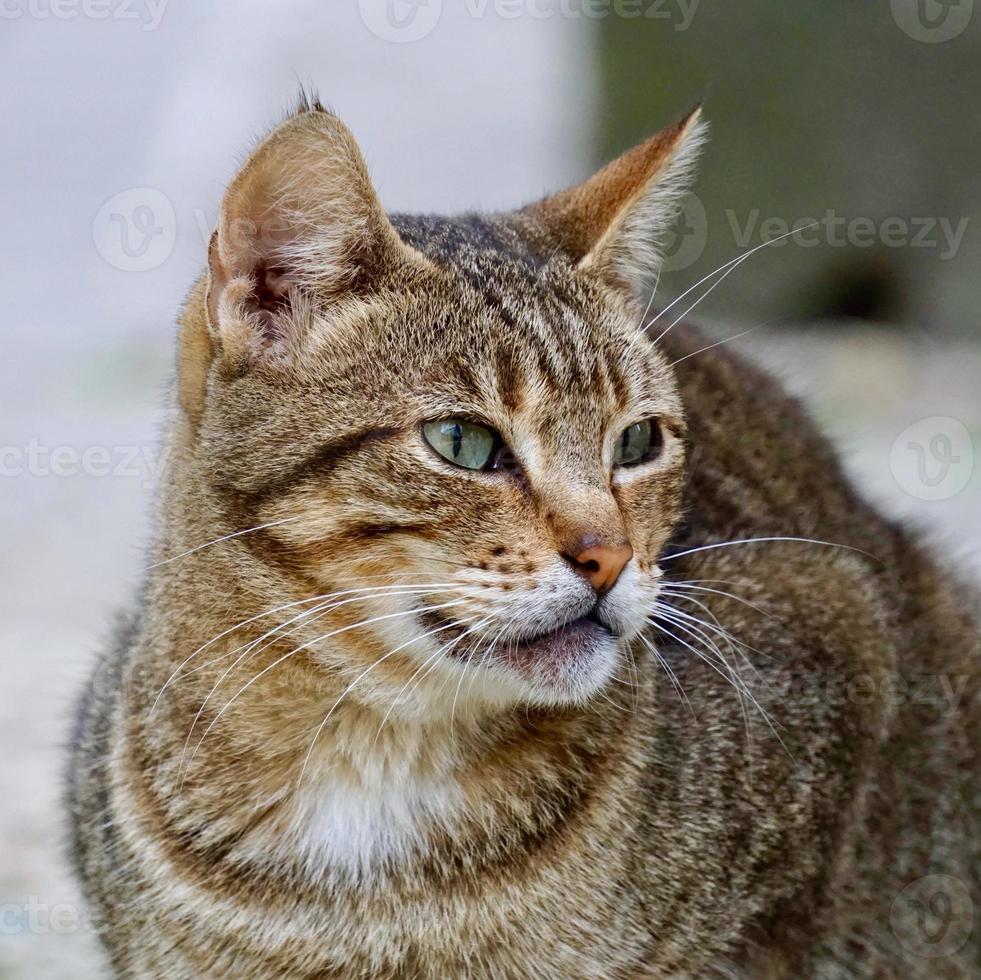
613	225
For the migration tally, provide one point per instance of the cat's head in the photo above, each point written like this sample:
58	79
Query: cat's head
461	418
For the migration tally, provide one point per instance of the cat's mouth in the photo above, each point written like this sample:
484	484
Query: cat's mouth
567	640
572	640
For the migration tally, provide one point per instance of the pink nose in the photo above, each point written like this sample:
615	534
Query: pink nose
602	563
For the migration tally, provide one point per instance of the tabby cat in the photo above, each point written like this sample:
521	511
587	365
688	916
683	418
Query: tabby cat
498	629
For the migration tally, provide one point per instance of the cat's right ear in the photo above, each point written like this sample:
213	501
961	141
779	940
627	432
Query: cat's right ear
299	229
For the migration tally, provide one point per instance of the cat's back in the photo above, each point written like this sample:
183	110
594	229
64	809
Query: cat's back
760	467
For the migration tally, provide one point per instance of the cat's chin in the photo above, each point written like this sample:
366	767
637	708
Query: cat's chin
566	665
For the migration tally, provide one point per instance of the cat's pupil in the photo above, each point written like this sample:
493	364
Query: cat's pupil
638	443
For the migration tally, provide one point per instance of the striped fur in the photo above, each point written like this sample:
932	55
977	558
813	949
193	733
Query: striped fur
383	804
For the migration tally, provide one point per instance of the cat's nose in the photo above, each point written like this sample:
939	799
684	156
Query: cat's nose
600	562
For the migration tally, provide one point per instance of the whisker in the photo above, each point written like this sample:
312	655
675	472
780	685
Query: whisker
225	537
716	625
718	343
467	664
442	651
666	667
485	656
316	614
639	329
731	265
729	544
728	674
732	677
669	584
699	626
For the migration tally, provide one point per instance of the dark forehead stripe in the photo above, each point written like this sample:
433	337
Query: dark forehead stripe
448	240
511	274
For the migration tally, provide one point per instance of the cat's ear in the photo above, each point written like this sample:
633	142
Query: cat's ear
613	225
299	228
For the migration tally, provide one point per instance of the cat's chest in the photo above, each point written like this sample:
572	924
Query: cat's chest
360	822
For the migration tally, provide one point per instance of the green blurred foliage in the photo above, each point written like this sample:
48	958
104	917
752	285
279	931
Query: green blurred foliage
815	106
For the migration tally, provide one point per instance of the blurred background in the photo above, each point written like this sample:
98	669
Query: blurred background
124	119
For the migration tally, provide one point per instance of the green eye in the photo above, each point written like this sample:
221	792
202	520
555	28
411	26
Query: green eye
463	443
638	443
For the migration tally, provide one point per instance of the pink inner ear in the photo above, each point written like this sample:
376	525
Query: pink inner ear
273	286
272	297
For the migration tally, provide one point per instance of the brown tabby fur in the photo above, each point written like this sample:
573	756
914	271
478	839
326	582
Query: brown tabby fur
493	815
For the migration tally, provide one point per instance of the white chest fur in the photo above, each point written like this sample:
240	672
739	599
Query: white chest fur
359	816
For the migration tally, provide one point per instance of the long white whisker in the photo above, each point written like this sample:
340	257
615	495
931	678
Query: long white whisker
463	673
729	544
699	627
729	267
716	626
315	614
670	584
443	650
485	656
666	667
735	679
225	537
723	668
718	343
732	677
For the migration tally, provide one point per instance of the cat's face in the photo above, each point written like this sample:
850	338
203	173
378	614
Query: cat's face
465	441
